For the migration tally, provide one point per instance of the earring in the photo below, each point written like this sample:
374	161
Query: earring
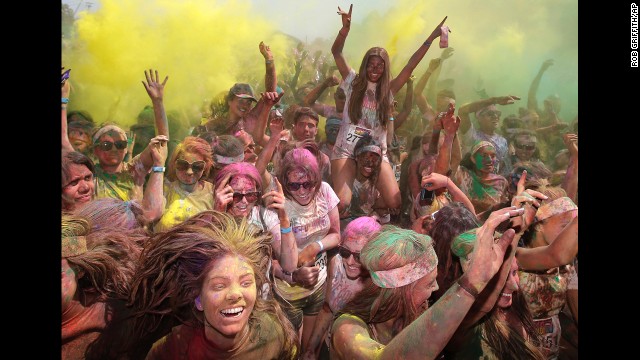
198	303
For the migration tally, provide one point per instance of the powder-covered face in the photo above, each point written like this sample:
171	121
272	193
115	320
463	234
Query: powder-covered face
227	298
525	146
113	157
353	267
242	184
422	290
80	139
189	176
511	286
485	159
489	119
302	196
238	107
375	68
368	162
79	189
305	128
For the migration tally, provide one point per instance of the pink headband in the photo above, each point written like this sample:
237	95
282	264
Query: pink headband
406	274
556	207
371	148
73	245
228	160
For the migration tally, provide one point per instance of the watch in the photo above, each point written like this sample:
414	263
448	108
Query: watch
158	169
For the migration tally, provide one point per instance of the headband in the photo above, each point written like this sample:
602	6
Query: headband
371	148
73	245
479	146
103	130
406	274
556	207
226	160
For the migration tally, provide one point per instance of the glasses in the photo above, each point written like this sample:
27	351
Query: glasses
295	186
525	147
345	253
250	196
492	113
183	165
108	145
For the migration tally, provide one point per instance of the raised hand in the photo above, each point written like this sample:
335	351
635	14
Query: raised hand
275	199
546	65
332	81
265	50
437	31
224	194
307	275
155	88
447	53
434	181
159	149
271	98
571	142
346	17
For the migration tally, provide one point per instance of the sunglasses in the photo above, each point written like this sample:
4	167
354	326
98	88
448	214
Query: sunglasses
345	253
525	147
492	113
295	186
108	145
250	196
183	165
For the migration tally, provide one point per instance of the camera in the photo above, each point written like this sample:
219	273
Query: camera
426	197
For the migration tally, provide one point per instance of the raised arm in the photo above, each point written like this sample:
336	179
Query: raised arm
435	181
403	115
562	250
405	73
270	78
421	100
338	44
570	181
259	131
472	107
66	144
532	101
285	248
450	123
277	131
432	88
314	94
153	199
155	90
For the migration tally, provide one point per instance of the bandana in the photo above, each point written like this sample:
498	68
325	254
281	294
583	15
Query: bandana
406	274
73	245
226	160
105	129
479	146
371	148
556	207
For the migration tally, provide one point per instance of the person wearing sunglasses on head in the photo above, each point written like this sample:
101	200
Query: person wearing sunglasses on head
311	205
345	279
186	191
488	117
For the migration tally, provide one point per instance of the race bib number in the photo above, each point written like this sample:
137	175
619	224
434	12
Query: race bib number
321	260
549	329
355	133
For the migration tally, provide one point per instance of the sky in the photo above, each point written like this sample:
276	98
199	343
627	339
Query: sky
205	46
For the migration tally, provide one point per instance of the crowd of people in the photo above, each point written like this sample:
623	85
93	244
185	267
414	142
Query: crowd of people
408	228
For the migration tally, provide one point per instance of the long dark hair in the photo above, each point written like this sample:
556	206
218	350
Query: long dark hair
359	88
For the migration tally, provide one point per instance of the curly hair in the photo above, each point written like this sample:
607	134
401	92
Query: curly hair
391	248
383	90
193	145
175	263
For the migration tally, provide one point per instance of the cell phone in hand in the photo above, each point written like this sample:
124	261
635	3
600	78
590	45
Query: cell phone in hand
426	197
65	76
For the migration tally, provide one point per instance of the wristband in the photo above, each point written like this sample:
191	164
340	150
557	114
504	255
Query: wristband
268	61
463	282
157	169
285	231
392	119
427	43
321	246
65	100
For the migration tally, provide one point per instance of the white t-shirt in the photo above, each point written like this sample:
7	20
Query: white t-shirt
309	224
